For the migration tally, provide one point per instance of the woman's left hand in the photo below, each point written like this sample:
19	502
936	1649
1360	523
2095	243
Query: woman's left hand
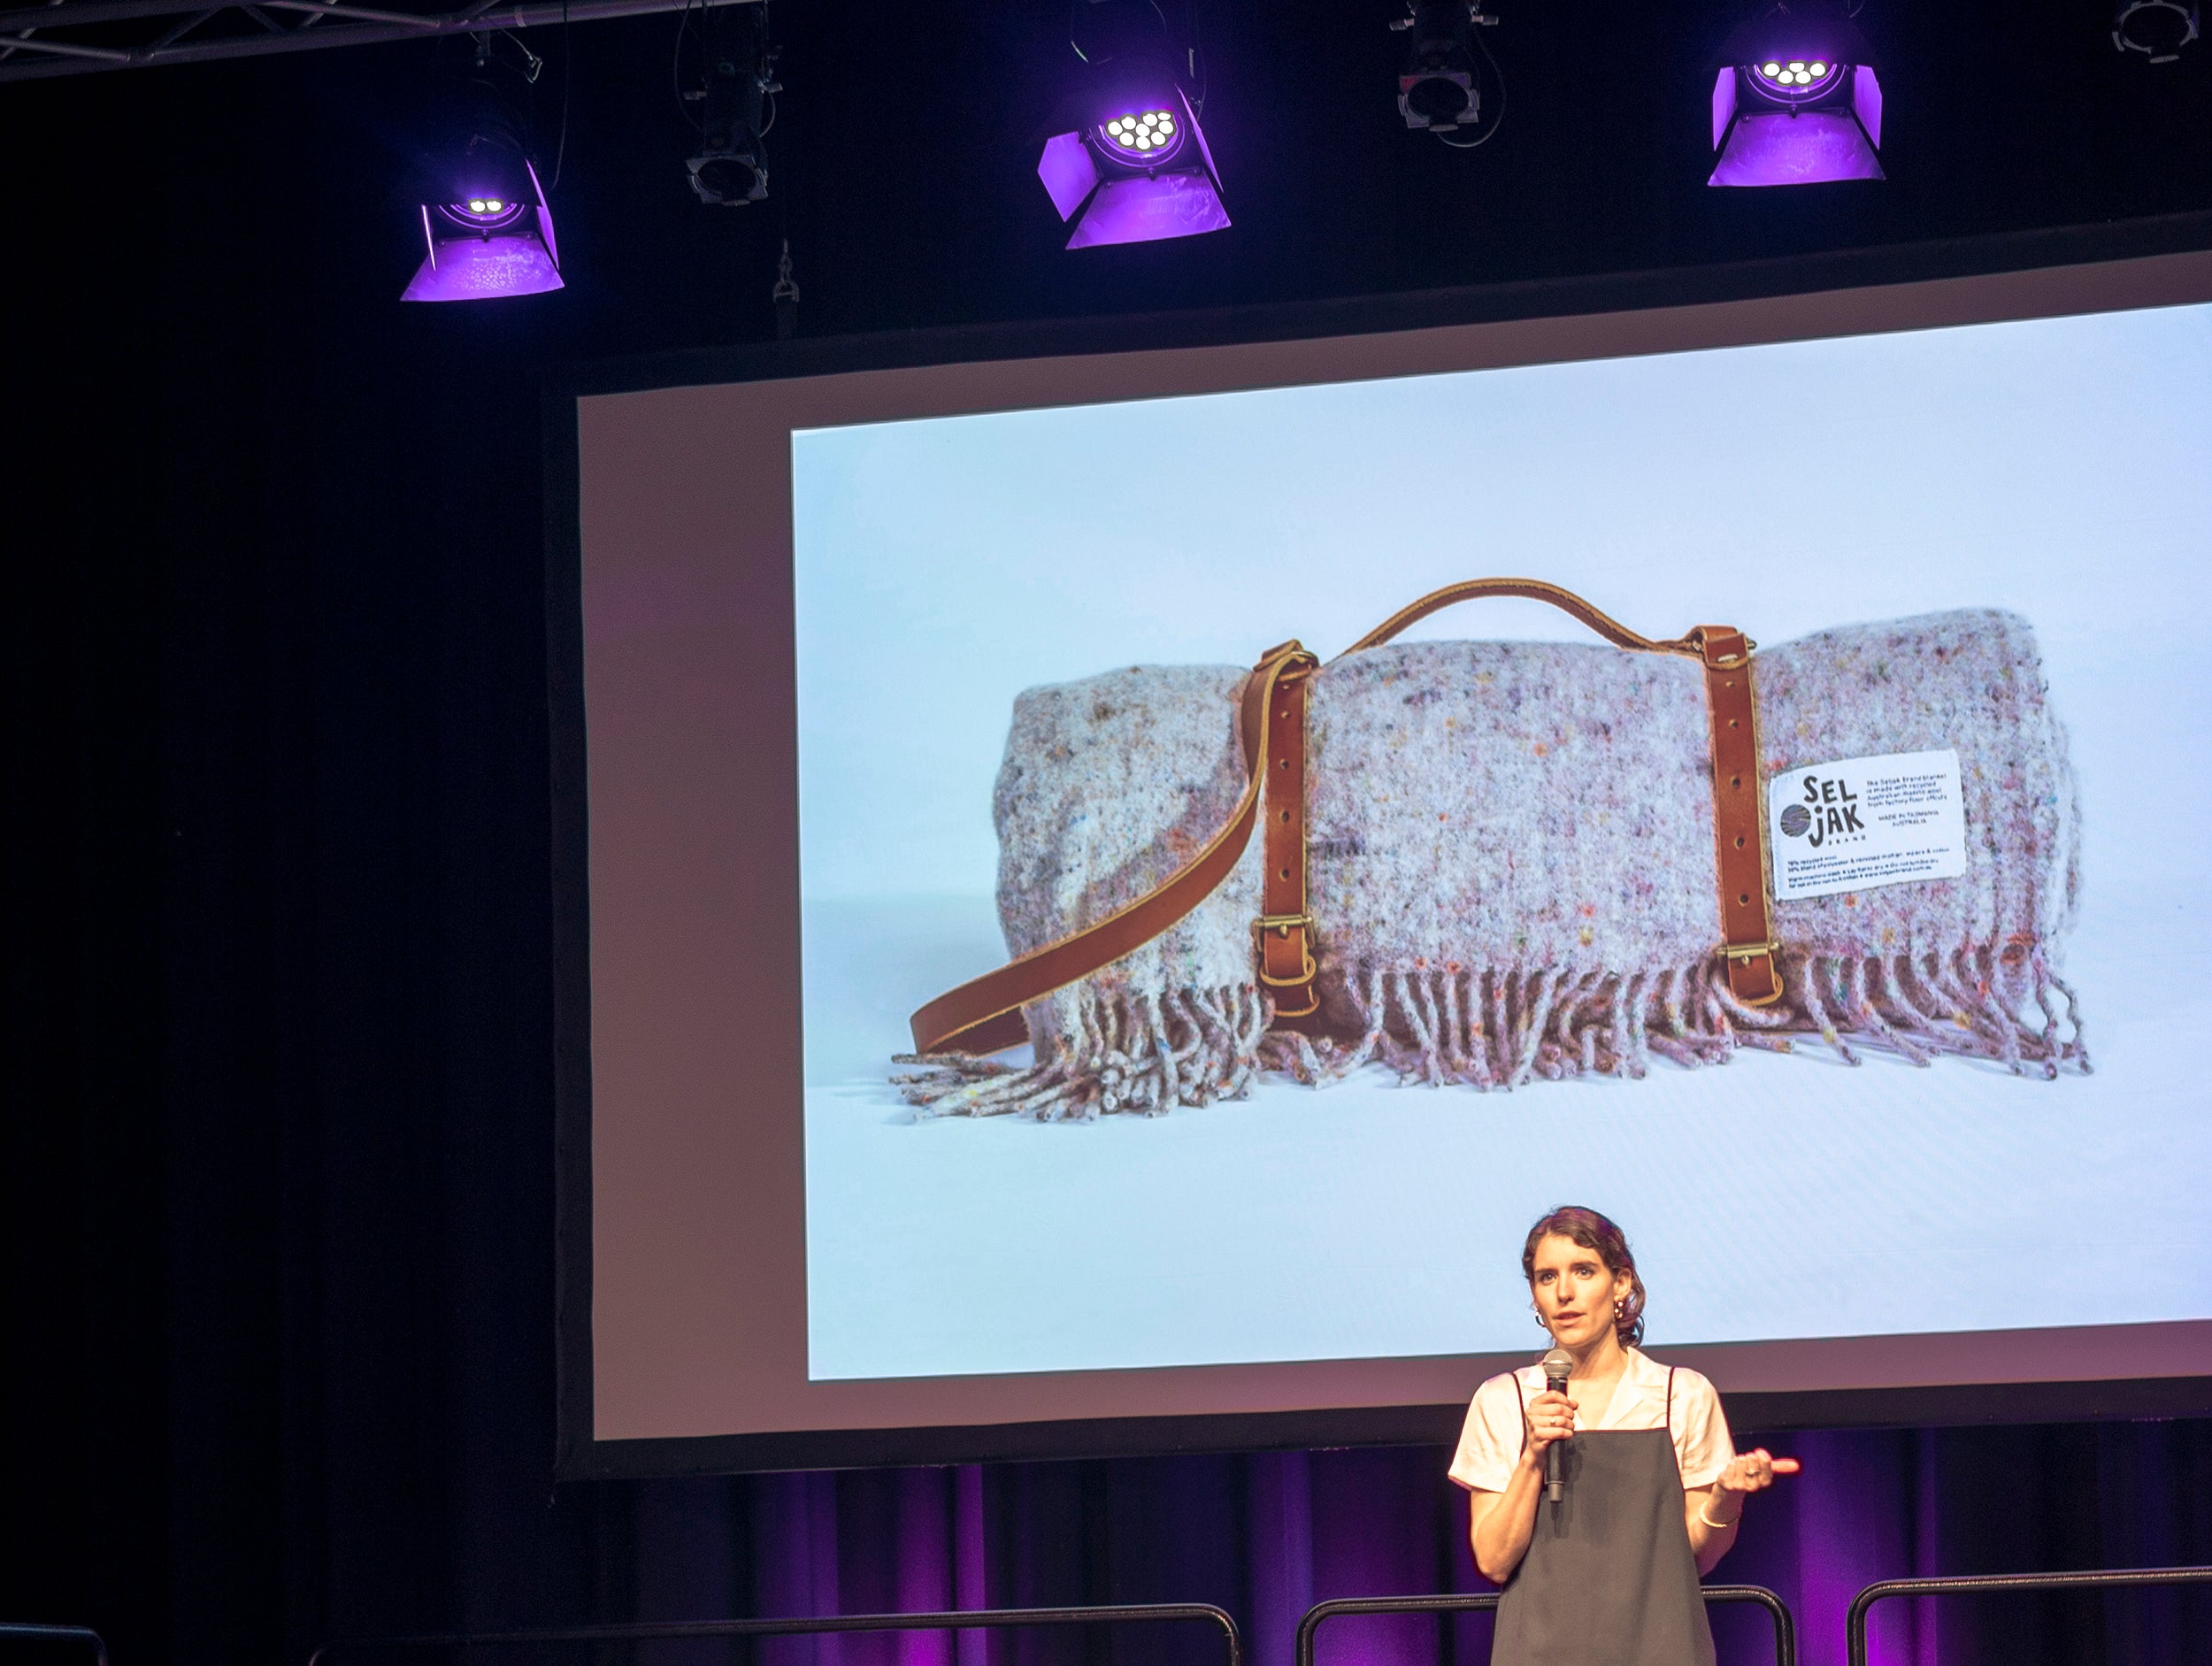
1716	1511
1751	1472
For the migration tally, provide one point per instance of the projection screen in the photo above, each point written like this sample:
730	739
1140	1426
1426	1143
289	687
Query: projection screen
1966	517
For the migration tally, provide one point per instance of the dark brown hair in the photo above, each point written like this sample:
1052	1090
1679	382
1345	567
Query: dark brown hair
1592	1231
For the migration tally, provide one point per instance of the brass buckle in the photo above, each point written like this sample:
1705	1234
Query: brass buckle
1283	923
1747	952
1695	643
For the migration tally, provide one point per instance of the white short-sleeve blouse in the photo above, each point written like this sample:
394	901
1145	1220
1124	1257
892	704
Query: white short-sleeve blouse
1490	1441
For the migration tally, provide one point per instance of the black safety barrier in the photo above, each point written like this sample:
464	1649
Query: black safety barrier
655	1630
1468	1602
11	1631
1994	1584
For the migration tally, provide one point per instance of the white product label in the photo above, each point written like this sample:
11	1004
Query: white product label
1859	823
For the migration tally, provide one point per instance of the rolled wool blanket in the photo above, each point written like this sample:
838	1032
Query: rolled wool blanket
1511	870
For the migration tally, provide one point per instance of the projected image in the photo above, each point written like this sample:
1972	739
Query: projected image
1945	941
1511	877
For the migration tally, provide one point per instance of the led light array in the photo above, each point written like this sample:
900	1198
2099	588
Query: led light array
1796	100
1136	168
1148	130
1794	73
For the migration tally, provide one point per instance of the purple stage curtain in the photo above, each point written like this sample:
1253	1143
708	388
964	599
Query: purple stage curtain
1267	1534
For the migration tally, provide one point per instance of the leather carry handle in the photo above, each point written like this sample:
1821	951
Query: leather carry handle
984	1014
1747	946
1282	936
1529	589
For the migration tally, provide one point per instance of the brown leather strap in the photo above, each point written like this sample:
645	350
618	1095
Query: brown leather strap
1739	844
1285	928
984	1014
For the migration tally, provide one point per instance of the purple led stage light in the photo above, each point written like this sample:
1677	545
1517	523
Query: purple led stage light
1796	102
1138	170
487	233
495	238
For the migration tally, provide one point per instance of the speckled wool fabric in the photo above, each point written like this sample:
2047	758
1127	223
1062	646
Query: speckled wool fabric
1511	870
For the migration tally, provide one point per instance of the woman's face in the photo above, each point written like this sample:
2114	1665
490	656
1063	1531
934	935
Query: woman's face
1574	1293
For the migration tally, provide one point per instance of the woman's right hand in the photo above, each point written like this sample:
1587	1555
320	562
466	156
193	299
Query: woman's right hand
1551	1418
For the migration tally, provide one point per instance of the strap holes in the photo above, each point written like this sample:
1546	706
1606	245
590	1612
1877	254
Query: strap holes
1282	763
1735	780
1285	816
1739	836
1732	723
1745	899
1282	874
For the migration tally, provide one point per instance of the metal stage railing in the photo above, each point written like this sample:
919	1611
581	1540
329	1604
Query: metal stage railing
650	1631
1994	1584
13	1633
1470	1603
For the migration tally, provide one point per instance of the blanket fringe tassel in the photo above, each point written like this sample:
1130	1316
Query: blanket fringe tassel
1147	1053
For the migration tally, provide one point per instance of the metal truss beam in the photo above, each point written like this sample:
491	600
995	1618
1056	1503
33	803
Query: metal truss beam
82	37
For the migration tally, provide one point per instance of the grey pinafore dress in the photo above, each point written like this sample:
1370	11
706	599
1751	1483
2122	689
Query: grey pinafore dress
1608	1580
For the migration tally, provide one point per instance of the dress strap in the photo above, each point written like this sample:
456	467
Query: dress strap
1670	1423
1521	1400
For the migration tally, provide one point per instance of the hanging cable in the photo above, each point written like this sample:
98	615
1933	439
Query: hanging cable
676	69
1497	116
568	84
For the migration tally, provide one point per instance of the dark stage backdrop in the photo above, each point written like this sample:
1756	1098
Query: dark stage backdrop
276	1155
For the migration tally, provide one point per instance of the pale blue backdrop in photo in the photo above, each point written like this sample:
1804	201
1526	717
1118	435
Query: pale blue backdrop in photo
2054	467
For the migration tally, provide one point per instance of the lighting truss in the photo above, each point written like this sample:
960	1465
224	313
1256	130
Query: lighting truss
79	37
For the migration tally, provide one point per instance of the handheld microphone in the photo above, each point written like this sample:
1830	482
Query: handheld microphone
1558	1365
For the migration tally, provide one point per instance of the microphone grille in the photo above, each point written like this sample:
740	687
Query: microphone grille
1558	1366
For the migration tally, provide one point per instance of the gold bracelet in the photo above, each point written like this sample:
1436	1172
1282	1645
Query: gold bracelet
1710	1522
